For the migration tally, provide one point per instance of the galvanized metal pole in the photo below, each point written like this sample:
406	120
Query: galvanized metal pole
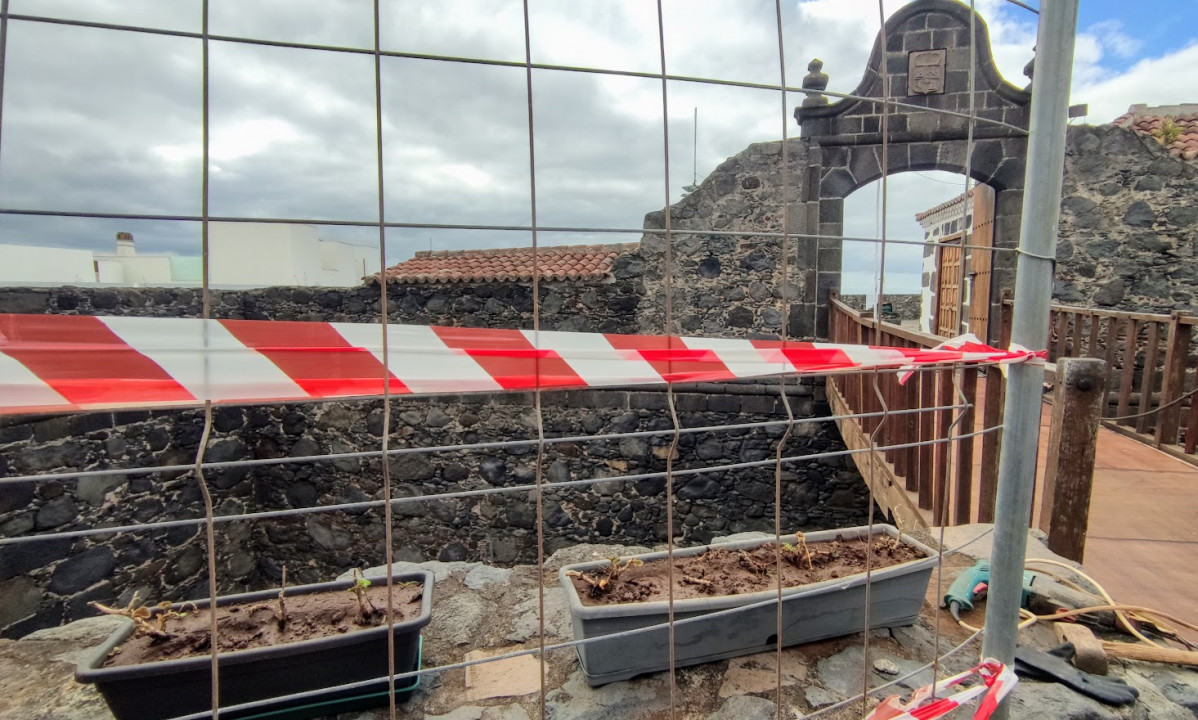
1033	295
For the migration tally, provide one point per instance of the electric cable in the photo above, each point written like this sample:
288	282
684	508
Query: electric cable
1123	619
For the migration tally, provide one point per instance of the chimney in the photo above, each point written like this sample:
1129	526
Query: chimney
124	244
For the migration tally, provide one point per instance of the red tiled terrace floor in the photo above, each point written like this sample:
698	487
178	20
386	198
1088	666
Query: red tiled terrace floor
1142	542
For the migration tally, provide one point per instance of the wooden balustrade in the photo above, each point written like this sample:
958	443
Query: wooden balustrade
927	471
925	464
1150	358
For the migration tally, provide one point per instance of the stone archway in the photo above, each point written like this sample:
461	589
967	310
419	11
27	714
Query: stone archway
844	138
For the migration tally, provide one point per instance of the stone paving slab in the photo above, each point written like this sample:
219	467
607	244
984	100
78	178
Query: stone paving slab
510	677
36	671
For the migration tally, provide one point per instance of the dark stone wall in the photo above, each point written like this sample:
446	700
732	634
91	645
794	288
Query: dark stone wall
727	281
48	582
1129	224
599	307
907	306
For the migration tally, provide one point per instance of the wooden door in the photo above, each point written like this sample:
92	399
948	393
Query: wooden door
980	260
948	297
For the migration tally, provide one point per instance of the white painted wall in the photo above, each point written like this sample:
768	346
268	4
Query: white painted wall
927	307
268	254
935	226
37	265
187	270
135	270
254	254
240	255
345	264
109	271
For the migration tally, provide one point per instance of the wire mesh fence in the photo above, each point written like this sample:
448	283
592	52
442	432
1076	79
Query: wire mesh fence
191	477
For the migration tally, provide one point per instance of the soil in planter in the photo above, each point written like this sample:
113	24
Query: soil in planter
736	572
255	625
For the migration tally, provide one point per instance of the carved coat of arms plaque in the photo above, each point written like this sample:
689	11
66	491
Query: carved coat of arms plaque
925	72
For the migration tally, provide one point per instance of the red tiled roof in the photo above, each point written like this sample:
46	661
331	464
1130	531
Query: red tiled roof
572	262
1181	142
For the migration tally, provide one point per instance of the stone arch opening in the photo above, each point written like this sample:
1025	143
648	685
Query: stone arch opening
932	225
908	195
926	62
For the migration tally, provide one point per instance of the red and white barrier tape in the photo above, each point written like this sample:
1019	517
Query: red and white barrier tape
969	343
996	681
61	363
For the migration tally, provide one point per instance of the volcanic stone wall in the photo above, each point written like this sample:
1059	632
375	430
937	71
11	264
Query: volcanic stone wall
598	307
905	306
1129	224
1127	241
46	582
727	280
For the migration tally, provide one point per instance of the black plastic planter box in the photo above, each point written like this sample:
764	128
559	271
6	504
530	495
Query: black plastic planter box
264	676
810	612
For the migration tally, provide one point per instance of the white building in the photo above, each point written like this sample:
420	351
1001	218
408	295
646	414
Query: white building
239	255
128	268
35	265
956	284
271	254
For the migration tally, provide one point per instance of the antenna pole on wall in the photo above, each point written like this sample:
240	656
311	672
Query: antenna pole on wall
1033	298
695	149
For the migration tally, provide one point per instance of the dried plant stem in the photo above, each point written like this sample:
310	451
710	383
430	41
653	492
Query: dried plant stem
282	619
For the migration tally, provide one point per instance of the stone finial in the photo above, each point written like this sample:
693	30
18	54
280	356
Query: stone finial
1030	68
815	83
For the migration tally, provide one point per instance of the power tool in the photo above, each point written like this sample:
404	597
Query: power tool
971	584
1041	594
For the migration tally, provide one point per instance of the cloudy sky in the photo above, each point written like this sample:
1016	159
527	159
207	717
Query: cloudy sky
109	121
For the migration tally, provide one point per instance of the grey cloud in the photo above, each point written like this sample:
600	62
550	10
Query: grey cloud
481	29
88	114
183	15
329	171
330	22
153	236
83	114
908	193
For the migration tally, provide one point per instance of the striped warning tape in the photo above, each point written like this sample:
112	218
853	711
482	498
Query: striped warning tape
992	679
57	363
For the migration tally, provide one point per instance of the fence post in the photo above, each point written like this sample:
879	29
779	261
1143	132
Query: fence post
1148	379
1127	375
964	481
1173	380
1073	436
1038	230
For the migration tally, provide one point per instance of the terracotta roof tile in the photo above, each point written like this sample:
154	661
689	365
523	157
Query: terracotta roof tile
571	262
1175	128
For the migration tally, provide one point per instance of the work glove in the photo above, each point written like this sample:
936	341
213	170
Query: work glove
1053	666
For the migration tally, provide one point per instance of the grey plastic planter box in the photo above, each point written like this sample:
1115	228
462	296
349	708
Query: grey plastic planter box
810	612
173	688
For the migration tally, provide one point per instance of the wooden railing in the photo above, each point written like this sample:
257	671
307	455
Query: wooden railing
952	482
1150	379
935	441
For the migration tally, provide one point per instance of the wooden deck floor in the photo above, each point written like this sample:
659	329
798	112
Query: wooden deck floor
1142	543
